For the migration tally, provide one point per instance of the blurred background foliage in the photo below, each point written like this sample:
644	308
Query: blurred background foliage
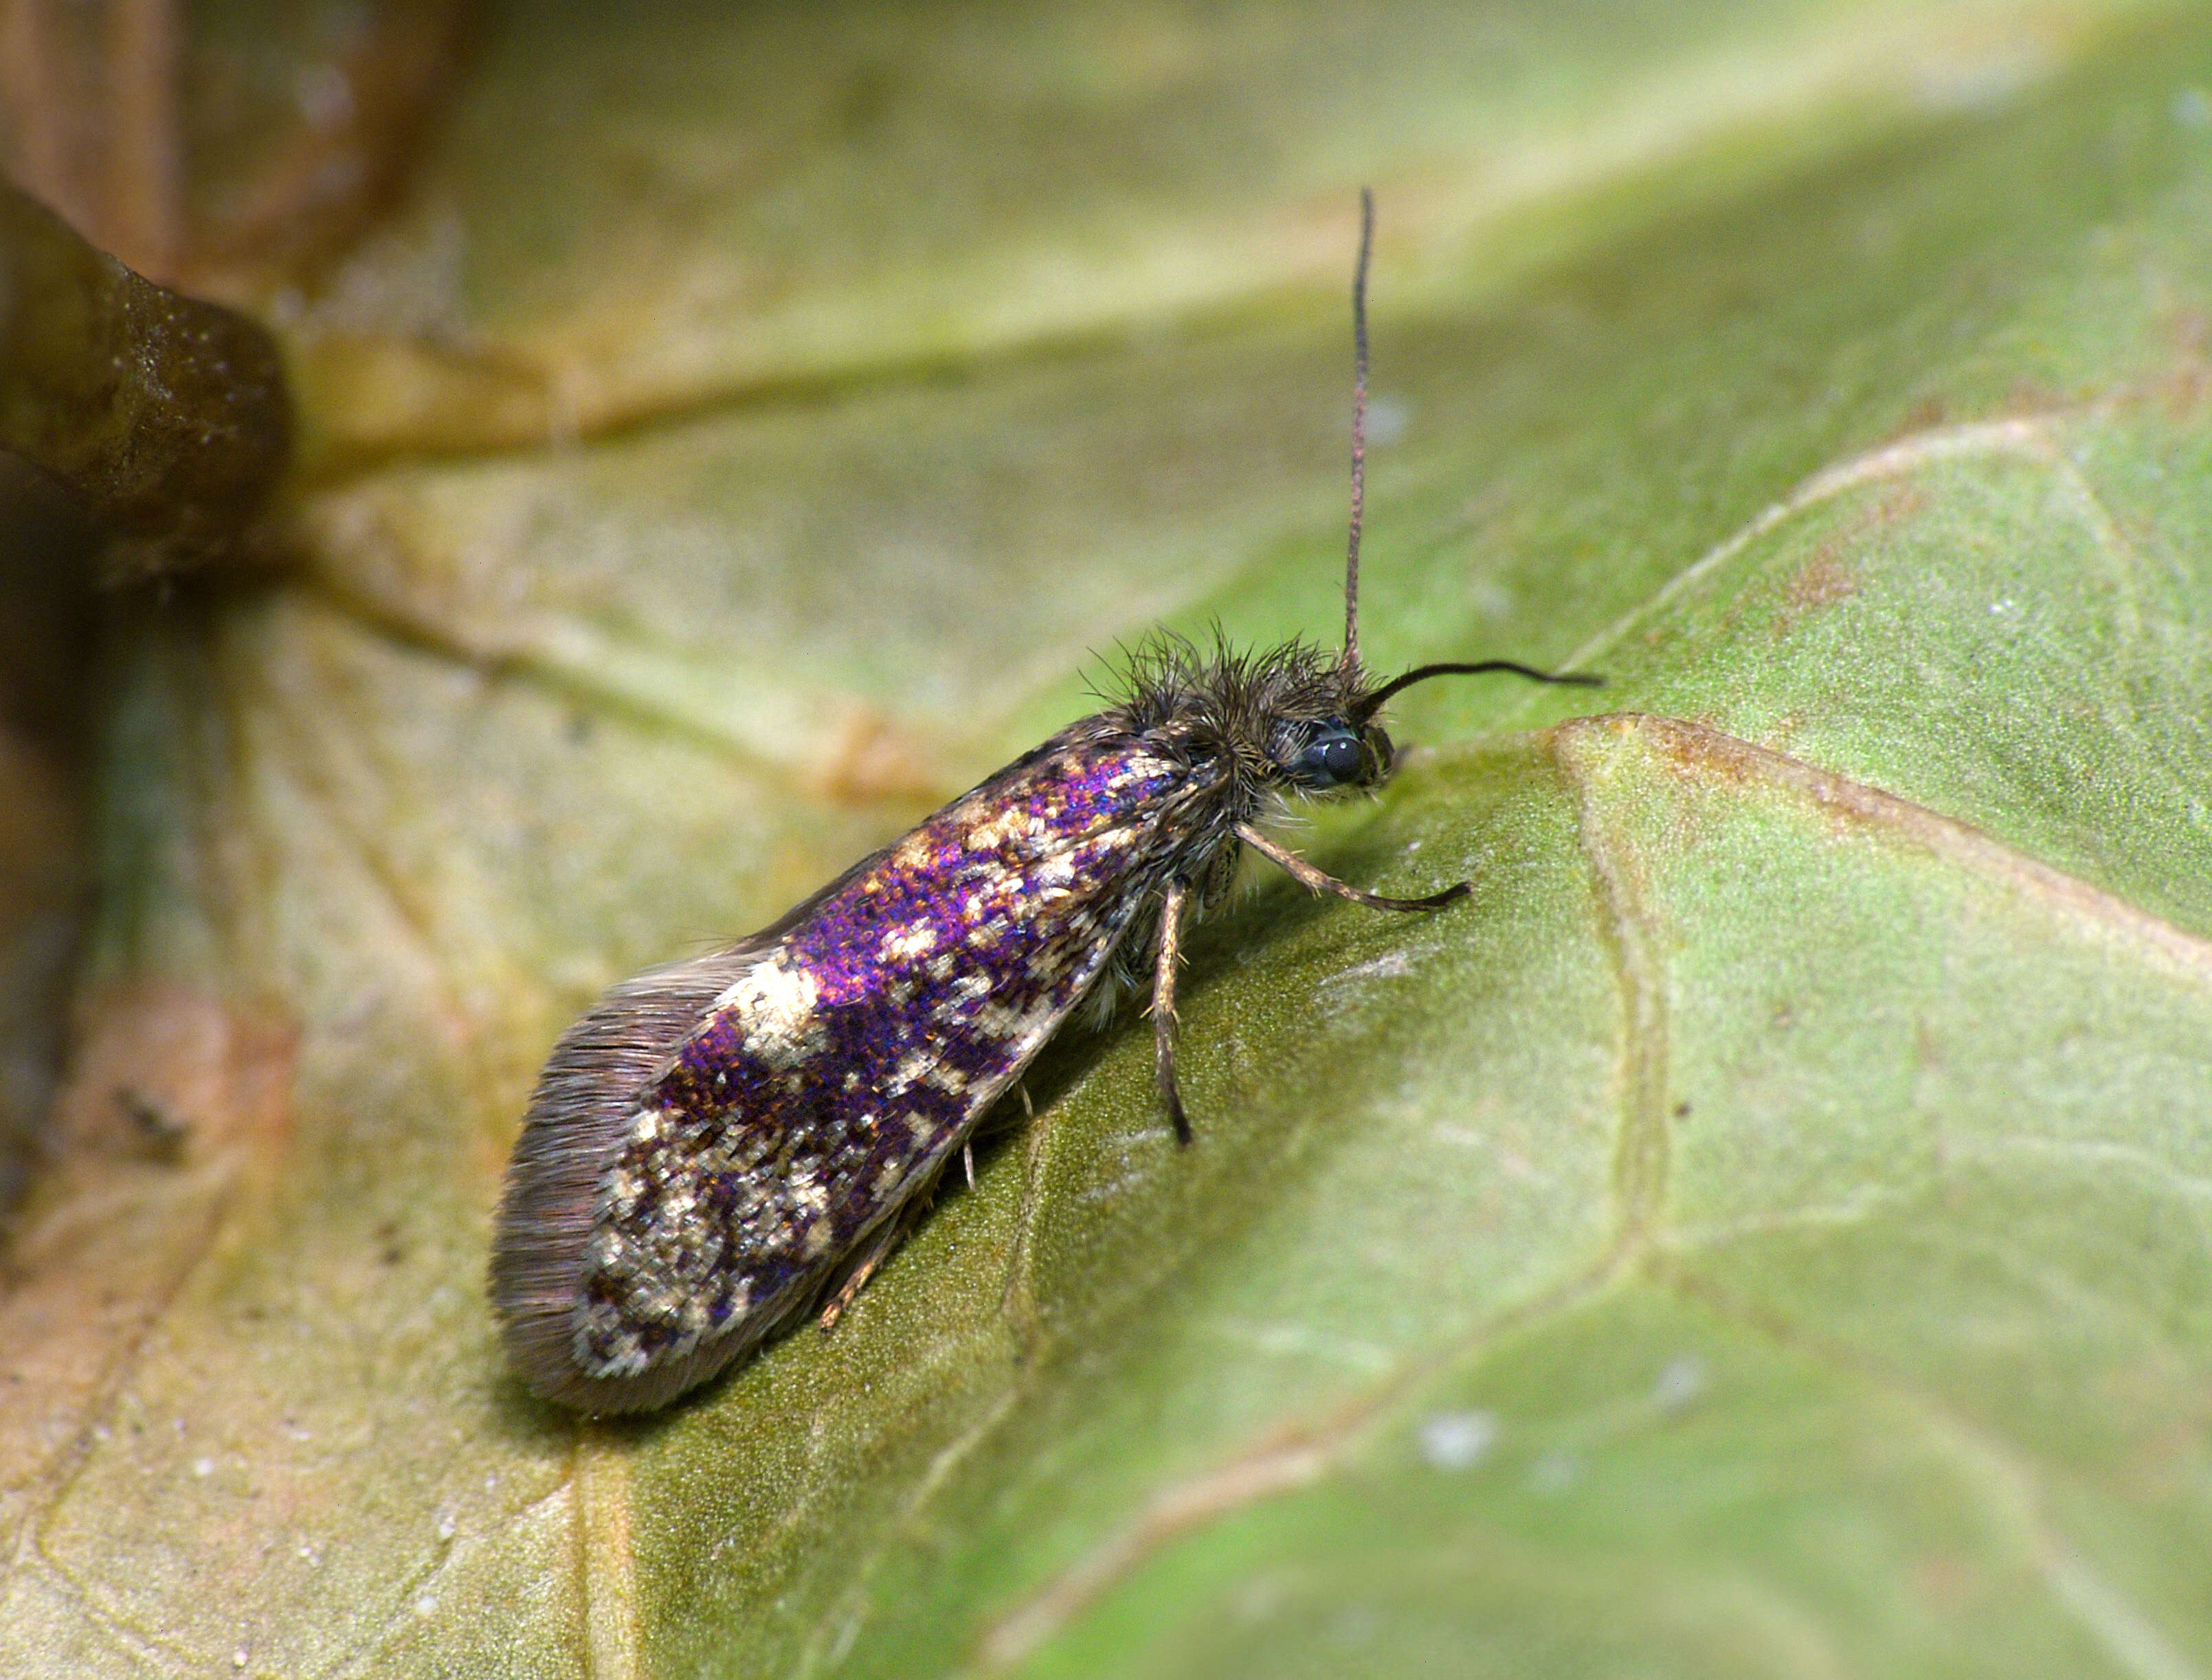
545	485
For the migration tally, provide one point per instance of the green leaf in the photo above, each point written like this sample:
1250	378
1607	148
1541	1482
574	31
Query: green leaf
1764	1231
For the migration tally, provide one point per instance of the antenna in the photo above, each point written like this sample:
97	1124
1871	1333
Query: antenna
1350	658
1370	704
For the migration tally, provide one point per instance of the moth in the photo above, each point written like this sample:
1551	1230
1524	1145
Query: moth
718	1143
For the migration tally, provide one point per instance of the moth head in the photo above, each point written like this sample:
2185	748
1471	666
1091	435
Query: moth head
1295	718
1331	752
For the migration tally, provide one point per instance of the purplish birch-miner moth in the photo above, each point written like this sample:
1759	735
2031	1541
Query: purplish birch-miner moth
718	1143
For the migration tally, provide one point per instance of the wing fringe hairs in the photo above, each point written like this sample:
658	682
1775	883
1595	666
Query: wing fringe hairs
583	1106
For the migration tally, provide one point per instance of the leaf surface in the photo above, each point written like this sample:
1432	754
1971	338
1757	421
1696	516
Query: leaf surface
1763	1232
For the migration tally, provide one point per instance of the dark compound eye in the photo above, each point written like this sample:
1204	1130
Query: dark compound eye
1332	756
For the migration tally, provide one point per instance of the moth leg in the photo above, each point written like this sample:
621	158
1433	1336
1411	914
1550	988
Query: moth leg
1164	1009
893	1232
1318	881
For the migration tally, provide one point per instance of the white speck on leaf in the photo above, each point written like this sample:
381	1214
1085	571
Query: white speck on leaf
1387	420
1555	1471
1456	1440
1353	1626
1391	965
1491	598
325	96
1681	1381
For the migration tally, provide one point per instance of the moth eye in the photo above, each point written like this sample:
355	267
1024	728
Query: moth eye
1339	756
1332	756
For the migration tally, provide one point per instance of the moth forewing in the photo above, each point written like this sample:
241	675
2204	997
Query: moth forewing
714	1142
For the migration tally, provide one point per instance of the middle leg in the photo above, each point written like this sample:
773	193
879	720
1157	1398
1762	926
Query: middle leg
1164	1015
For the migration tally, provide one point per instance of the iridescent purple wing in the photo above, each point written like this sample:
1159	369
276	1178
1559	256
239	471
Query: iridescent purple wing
709	1144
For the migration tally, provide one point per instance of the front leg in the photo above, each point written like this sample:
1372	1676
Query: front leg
1320	881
